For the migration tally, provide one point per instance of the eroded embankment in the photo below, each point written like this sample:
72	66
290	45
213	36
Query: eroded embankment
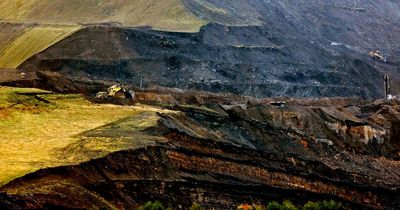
221	156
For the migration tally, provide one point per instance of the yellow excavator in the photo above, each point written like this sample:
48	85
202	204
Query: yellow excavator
117	91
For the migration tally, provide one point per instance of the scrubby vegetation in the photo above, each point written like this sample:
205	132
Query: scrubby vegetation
286	205
152	206
324	205
197	206
321	205
273	205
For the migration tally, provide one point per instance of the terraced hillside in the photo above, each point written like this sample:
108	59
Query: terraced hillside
257	48
60	150
219	154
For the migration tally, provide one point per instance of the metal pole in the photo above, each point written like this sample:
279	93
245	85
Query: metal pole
387	86
384	87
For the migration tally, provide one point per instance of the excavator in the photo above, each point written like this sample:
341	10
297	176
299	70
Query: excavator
377	55
117	91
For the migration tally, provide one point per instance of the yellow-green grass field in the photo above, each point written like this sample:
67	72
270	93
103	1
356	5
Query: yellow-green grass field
28	27
211	7
31	42
169	15
9	32
36	134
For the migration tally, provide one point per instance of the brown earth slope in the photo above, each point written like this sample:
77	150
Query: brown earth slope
224	155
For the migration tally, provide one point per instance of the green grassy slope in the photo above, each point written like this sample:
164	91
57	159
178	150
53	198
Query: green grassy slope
31	42
30	26
9	32
36	134
169	15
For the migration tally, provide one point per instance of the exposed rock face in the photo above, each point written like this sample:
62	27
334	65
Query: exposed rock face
223	155
257	48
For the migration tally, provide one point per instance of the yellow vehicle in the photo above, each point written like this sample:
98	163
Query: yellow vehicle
117	91
377	55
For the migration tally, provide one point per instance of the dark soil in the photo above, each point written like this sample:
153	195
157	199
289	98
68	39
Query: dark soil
258	48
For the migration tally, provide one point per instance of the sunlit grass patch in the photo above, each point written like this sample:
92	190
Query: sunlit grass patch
211	7
28	27
32	42
33	131
10	32
169	15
